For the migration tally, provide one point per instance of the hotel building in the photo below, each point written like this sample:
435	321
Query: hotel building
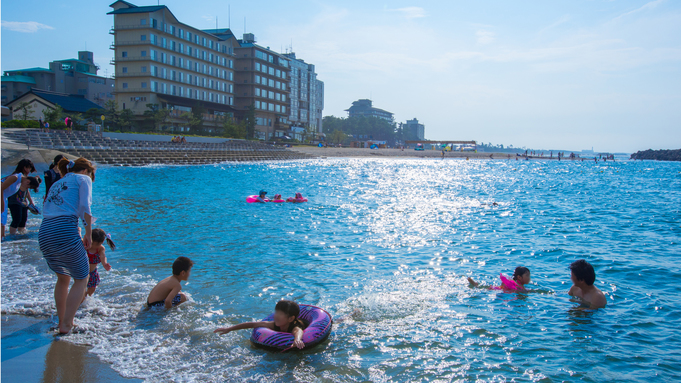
307	97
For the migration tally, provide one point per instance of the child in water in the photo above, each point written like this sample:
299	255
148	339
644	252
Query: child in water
167	292
96	254
521	277
583	277
285	320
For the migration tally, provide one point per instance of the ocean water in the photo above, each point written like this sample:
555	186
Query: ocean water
394	239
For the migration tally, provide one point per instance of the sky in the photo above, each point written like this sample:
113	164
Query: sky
570	75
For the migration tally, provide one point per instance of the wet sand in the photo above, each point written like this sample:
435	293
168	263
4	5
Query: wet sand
31	353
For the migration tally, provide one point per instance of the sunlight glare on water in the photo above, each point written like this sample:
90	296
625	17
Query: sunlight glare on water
394	239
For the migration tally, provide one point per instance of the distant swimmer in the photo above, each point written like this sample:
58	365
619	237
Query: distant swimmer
583	277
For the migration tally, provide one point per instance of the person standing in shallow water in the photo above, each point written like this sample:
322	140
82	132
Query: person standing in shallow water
63	249
11	184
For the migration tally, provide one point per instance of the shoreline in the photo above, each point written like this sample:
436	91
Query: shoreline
406	153
32	353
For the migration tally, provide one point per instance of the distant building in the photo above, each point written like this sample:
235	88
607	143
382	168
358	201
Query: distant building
71	76
262	80
307	96
364	108
40	100
163	62
414	130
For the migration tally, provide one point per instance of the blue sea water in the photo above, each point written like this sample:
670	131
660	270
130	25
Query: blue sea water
394	239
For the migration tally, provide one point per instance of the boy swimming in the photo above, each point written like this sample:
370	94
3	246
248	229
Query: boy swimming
167	292
583	277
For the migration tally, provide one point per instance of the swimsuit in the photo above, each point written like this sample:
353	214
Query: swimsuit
296	323
93	259
176	301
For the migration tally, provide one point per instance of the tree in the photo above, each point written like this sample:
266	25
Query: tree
25	110
337	137
250	122
157	116
111	114
125	119
196	121
54	115
232	129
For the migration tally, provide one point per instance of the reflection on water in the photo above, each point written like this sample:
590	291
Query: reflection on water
396	241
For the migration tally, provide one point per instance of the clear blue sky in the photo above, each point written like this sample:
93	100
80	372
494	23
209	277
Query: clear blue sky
571	74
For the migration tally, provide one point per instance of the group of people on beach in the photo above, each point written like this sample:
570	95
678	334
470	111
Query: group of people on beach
70	254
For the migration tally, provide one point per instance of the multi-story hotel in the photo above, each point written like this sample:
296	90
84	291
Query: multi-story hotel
262	80
307	96
365	107
161	61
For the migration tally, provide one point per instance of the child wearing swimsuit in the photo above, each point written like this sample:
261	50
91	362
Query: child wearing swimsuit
97	254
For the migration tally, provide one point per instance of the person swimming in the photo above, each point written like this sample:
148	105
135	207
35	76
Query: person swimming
583	277
521	277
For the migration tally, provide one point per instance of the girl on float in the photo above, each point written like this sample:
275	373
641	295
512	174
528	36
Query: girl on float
12	183
96	254
285	320
521	277
277	198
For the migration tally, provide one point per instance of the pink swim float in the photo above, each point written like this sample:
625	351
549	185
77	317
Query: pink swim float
507	284
319	328
254	198
296	200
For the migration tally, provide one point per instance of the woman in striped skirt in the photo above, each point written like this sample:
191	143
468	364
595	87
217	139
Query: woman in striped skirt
68	200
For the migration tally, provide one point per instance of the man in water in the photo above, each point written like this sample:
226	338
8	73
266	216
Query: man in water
583	277
261	196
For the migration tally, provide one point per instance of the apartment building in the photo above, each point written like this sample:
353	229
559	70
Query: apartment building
307	96
162	61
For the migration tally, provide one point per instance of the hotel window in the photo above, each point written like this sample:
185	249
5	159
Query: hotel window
125	85
173	90
143	22
257	79
257	66
257	92
283	109
283	97
278	73
172	60
283	75
257	104
277	108
164	42
144	69
154	70
270	83
231	100
144	85
189	50
271	71
188	36
271	107
154	86
143	53
172	75
231	64
283	86
231	88
203	41
270	95
172	45
125	69
164	58
231	76
270	58
143	38
277	97
165	88
124	54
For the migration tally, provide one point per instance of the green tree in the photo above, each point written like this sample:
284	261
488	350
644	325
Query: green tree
196	121
111	114
54	115
337	137
231	129
250	122
25	110
125	118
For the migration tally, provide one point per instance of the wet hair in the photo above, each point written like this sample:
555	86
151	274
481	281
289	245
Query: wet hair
182	264
25	163
519	272
290	308
98	235
34	183
56	160
583	271
78	165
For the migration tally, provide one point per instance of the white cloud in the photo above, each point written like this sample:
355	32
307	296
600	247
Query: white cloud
649	5
24	26
411	12
484	37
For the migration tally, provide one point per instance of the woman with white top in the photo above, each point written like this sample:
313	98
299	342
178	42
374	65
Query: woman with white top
69	199
11	185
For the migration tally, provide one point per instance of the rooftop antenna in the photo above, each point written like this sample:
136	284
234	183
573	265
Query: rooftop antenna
216	24
229	16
